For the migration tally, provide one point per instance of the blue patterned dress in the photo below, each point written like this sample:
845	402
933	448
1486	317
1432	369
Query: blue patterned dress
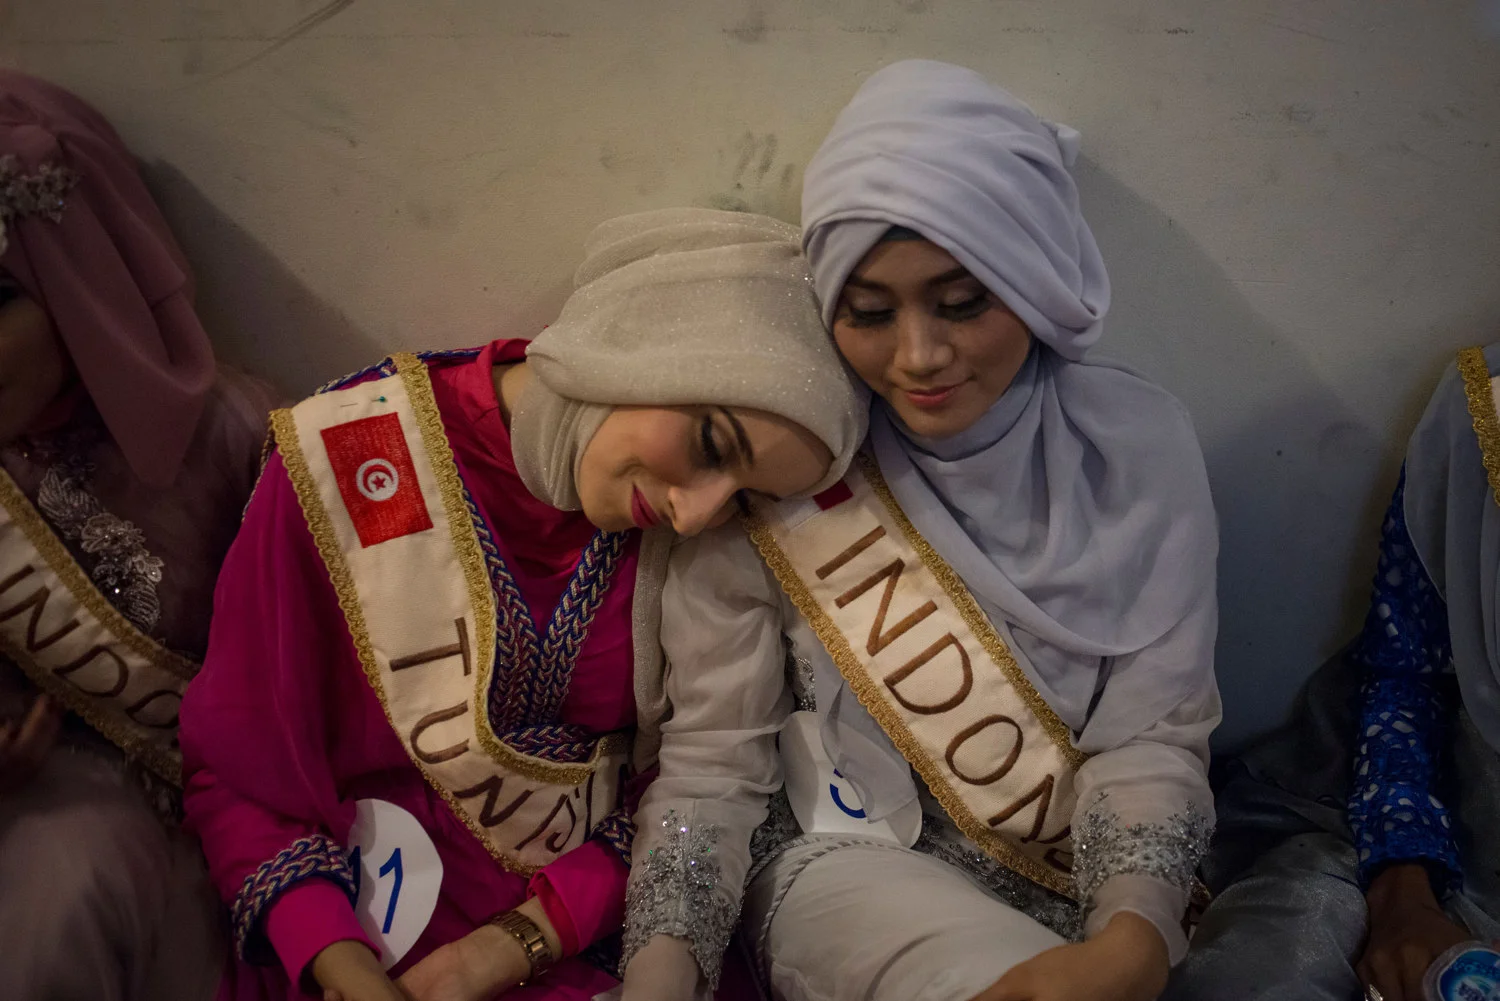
1395	814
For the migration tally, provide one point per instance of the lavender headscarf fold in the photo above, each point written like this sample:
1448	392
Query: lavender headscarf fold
1077	510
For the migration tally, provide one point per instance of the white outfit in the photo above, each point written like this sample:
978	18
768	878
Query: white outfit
1141	825
839	920
1078	514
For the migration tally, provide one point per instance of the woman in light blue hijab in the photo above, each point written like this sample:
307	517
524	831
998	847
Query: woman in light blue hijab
1360	843
1066	498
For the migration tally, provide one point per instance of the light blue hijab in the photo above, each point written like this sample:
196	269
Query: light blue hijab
1453	516
1077	509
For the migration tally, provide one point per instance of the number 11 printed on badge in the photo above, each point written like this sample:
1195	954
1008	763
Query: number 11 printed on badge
397	874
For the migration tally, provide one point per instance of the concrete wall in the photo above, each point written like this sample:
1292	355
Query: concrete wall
1299	199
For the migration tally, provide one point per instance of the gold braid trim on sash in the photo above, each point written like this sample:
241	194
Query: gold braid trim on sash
1481	397
860	682
975	618
76	580
418	385
321	527
415	378
284	426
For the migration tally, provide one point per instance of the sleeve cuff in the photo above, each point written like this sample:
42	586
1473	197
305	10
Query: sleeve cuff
1442	869
1401	822
307	919
583	894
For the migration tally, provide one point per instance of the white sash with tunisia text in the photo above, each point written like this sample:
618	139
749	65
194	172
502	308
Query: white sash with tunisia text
72	643
921	657
377	482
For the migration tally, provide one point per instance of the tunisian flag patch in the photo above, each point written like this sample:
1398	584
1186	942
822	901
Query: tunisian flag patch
376	478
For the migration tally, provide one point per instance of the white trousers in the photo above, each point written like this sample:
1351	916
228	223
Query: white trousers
835	919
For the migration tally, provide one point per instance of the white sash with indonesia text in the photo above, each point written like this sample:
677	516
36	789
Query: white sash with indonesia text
72	643
921	657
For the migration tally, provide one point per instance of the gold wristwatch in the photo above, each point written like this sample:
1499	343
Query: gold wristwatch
533	942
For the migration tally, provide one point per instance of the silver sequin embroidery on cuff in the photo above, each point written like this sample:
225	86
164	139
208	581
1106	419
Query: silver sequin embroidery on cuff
677	893
1105	846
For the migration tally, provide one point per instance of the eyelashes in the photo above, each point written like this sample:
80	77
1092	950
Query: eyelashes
868	318
713	458
968	309
955	313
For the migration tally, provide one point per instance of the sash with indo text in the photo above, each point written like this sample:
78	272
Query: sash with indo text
76	646
922	658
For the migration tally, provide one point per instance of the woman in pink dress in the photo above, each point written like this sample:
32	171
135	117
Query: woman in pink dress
537	486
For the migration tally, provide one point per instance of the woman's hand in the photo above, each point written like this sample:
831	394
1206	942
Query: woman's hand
477	967
663	969
483	964
26	742
349	971
1127	961
1408	930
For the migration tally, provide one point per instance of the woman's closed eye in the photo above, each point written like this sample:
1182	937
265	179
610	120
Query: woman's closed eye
966	310
868	317
716	456
957	312
718	448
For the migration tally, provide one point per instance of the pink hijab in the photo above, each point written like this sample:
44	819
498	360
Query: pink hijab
110	275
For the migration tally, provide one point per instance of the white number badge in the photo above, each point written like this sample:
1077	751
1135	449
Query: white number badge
398	874
822	800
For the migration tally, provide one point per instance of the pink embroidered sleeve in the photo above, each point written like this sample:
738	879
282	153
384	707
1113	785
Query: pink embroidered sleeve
257	729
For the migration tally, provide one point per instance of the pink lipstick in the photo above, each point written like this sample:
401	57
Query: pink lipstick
930	399
642	512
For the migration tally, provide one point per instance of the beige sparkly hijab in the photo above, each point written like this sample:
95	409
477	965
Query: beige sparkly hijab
682	307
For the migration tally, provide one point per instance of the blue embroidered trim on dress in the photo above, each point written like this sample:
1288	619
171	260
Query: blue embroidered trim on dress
387	367
1394	812
618	831
315	856
532	676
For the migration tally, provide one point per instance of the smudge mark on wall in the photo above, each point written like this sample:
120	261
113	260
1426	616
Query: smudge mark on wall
325	13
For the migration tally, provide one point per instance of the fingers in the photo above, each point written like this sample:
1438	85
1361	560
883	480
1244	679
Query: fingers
1382	973
24	744
1011	987
39	728
1414	960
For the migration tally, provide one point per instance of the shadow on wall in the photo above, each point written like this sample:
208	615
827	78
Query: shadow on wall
1299	483
249	299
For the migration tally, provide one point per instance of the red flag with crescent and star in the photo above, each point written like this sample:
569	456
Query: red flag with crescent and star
376	478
